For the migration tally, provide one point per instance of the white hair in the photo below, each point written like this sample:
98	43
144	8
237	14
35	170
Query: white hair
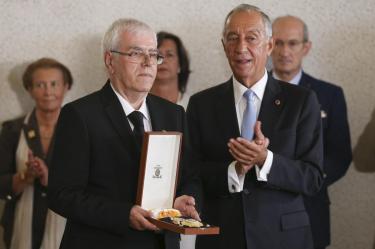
111	37
249	8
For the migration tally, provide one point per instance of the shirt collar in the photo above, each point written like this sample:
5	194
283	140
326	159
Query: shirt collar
296	79
126	106
258	88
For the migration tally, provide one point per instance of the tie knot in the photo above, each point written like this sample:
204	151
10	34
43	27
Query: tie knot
136	117
248	94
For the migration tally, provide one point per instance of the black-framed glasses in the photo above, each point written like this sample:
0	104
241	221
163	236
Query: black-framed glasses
139	56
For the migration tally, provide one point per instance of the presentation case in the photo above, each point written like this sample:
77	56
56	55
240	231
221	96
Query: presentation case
158	178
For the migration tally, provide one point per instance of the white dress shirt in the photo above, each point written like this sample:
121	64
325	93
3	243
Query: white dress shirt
126	106
183	100
296	79
187	241
235	182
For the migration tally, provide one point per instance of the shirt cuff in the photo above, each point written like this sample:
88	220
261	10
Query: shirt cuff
263	172
235	182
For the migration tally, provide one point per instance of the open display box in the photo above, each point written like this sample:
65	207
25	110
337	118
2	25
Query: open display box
158	177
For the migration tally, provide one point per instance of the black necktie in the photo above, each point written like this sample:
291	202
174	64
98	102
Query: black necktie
136	118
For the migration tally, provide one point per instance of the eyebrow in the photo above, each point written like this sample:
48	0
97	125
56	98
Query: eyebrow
140	49
233	32
170	50
287	40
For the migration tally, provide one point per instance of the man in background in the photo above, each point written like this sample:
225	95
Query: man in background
292	44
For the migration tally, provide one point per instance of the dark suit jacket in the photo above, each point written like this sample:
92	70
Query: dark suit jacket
265	215
337	153
94	174
9	138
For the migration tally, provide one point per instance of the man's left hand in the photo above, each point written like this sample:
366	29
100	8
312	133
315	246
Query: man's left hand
250	152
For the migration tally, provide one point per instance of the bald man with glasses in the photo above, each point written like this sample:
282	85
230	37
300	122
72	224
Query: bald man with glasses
292	44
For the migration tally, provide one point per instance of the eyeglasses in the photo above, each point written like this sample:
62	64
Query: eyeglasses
291	44
139	56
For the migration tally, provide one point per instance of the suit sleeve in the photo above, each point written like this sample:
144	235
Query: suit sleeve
214	174
189	181
337	146
69	174
303	172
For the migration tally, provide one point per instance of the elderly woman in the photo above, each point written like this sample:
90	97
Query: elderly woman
24	152
173	73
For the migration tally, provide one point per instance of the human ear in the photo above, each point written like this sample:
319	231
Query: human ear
108	61
306	47
270	45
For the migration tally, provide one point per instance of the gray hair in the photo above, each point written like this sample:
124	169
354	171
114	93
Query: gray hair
111	37
250	8
305	29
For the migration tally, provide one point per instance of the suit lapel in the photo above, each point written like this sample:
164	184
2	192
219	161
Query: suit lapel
156	114
304	82
117	117
270	109
32	136
225	112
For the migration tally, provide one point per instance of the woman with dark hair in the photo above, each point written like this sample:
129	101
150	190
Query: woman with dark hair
170	84
25	148
173	73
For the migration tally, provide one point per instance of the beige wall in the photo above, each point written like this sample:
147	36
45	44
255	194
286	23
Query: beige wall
343	36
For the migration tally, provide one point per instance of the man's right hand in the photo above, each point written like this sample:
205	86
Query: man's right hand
249	153
138	219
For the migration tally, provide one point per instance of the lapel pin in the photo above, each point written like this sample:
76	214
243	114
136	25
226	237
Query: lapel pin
31	133
323	114
277	102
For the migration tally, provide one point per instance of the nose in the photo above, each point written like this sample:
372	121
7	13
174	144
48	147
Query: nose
283	48
147	60
48	89
241	46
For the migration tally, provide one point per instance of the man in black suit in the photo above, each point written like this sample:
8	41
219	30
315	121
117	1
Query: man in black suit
93	179
291	46
254	184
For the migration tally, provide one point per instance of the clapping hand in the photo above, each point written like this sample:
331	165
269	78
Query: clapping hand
38	167
249	153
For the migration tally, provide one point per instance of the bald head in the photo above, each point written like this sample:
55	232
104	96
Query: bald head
283	22
291	46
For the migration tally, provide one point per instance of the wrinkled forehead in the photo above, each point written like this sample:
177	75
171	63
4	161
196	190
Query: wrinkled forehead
245	22
143	39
